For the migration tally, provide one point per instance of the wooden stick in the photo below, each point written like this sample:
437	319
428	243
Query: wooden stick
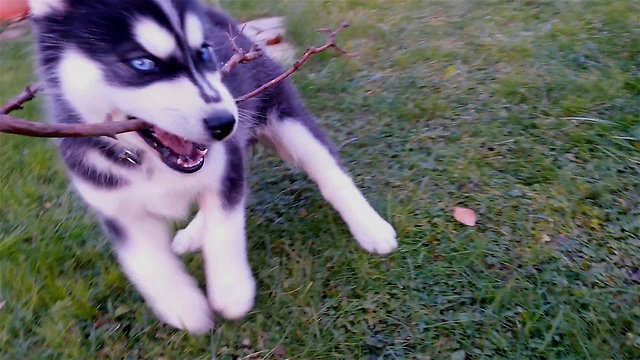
11	125
17	103
330	43
239	57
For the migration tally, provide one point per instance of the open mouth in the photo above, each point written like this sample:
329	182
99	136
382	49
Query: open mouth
176	152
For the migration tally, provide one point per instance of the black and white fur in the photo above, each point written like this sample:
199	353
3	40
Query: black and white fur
85	49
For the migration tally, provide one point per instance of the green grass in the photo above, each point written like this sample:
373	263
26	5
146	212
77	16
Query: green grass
451	103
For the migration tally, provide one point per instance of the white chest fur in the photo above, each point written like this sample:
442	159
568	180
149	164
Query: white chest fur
152	187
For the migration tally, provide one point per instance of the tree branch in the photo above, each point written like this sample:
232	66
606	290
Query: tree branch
330	43
17	103
12	125
239	57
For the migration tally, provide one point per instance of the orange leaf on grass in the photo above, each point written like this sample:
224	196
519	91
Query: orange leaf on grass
465	216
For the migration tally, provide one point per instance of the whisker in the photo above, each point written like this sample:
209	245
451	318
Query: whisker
250	112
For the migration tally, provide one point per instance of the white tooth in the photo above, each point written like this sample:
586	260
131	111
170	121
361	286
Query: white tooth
180	161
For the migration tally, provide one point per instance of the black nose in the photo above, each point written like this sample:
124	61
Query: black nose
220	125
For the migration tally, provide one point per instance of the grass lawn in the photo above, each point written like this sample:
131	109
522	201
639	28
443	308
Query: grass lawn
451	103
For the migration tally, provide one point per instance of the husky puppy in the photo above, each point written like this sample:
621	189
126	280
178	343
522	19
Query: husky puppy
158	61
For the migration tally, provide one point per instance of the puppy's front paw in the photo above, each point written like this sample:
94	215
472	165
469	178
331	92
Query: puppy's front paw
186	241
232	292
374	234
184	307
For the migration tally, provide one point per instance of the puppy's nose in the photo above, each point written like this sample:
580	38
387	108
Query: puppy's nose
220	124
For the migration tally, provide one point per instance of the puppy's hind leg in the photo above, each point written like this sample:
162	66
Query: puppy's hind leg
141	245
300	140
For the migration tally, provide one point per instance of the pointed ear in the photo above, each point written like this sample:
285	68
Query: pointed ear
40	8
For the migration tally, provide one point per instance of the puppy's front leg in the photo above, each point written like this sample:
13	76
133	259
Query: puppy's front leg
298	140
230	283
141	245
189	239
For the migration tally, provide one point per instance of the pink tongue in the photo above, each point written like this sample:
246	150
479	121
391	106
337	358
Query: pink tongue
177	144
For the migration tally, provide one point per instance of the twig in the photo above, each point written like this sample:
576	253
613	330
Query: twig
17	103
330	43
240	57
12	125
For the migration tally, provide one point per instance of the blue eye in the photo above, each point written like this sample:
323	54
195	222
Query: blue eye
143	64
206	53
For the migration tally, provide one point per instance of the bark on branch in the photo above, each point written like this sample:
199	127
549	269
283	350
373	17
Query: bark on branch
12	125
17	103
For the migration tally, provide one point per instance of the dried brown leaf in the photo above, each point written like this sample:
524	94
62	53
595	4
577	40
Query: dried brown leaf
465	216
